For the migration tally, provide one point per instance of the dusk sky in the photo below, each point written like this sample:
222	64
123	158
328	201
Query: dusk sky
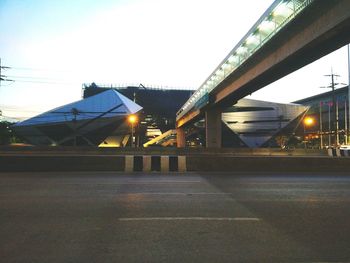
53	47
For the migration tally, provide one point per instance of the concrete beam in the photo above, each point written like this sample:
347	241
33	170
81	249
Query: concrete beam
322	29
191	116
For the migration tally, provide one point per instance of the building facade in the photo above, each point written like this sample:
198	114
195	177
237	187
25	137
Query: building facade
328	119
159	107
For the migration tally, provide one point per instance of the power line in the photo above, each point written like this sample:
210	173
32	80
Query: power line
39	69
44	82
3	77
29	77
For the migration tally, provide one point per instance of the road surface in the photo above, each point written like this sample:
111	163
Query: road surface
211	217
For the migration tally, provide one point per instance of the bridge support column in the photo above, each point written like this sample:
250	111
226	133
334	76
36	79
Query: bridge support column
180	137
213	128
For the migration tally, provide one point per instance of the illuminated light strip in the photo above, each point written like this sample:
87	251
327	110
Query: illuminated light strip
280	13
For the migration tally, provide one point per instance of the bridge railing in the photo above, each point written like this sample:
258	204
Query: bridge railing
278	15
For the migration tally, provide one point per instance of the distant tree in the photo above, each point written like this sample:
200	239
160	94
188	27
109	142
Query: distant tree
4	133
282	141
294	142
7	136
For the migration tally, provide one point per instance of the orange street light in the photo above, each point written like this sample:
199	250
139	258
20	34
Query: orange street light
308	121
132	120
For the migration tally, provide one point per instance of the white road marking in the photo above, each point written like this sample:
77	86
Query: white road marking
175	193
189	219
161	182
116	183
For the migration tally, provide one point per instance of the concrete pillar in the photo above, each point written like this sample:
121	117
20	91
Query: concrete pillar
337	150
129	163
164	164
146	163
180	137
181	161
213	128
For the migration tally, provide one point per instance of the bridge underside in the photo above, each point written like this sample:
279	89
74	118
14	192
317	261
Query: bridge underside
319	30
316	33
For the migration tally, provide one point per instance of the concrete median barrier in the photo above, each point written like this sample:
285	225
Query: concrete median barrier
24	163
170	160
164	164
267	164
338	152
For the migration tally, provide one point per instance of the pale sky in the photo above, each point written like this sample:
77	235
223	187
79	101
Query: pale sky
54	46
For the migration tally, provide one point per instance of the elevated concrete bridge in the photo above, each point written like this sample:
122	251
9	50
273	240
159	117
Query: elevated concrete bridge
288	36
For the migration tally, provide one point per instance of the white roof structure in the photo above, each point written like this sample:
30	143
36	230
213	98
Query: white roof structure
85	122
106	104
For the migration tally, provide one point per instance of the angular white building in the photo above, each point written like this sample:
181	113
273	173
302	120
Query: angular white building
248	123
85	122
255	122
102	120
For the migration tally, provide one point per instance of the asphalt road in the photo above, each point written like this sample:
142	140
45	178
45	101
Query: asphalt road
112	217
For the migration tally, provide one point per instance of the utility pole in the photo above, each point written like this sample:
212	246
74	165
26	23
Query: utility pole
347	133
334	125
3	77
321	130
337	123
345	123
329	125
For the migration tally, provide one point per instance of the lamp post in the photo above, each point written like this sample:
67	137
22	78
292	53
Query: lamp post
132	120
347	132
321	130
